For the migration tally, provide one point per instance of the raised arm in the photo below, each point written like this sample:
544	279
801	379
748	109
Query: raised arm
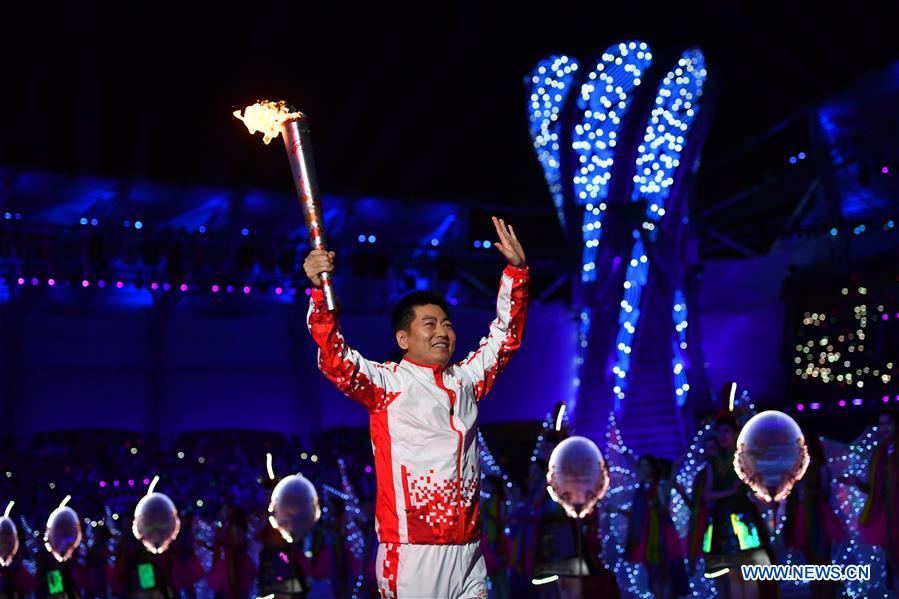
359	379
483	365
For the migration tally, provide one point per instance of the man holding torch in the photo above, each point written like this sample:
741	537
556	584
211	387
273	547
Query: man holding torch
423	416
423	411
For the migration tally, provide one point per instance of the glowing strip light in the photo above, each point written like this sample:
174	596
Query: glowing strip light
747	536
268	466
603	103
551	82
285	534
8	509
731	396
717	573
547	580
153	484
560	417
707	539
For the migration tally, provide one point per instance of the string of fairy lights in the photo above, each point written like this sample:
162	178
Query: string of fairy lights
679	347
851	502
844	347
672	118
635	279
580	356
620	459
847	501
687	471
551	82
603	101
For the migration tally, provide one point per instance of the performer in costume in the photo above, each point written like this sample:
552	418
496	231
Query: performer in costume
495	543
695	500
651	537
526	531
811	526
57	580
97	571
738	533
423	418
333	558
16	582
878	524
233	572
186	567
282	567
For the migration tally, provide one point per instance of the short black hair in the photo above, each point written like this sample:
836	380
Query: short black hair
404	310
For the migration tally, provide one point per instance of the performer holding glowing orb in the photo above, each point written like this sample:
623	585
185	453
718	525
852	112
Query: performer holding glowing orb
737	535
61	538
63	533
294	507
156	523
578	477
771	455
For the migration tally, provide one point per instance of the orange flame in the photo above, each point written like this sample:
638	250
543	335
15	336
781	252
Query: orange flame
266	117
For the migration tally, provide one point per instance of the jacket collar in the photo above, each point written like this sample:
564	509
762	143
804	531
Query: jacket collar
435	368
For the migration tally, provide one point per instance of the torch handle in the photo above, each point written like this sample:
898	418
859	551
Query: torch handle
298	144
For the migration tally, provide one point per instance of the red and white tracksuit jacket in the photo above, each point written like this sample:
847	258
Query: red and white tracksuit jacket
423	421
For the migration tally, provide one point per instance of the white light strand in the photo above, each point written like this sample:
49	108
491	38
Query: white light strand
679	347
604	99
550	83
672	118
628	318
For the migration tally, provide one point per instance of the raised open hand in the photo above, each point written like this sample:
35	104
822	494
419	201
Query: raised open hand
508	243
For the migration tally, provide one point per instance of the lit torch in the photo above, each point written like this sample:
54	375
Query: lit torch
277	118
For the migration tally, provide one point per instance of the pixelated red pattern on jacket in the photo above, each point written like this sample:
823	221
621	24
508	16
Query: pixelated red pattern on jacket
337	365
433	510
508	346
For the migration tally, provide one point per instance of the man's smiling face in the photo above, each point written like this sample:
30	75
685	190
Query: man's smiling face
430	338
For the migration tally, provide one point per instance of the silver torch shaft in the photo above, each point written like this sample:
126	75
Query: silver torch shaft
298	143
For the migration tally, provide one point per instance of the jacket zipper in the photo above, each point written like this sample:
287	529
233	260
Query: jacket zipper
452	399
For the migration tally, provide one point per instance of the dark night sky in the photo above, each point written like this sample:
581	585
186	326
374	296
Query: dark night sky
423	102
